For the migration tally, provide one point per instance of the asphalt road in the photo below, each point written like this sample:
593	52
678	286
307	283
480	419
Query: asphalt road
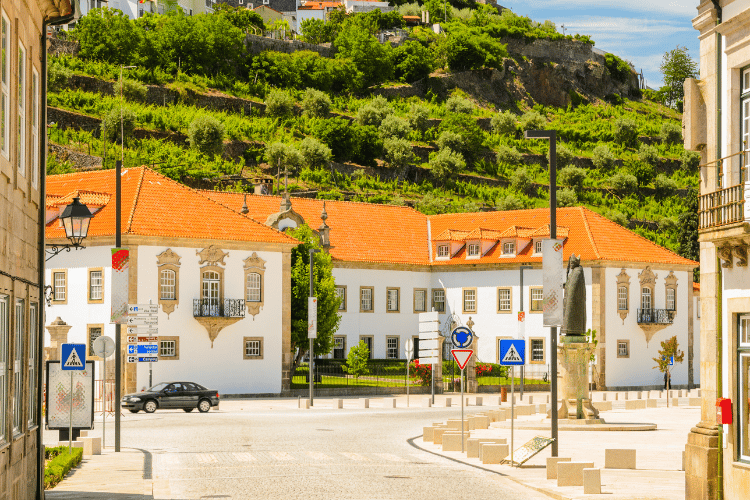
272	450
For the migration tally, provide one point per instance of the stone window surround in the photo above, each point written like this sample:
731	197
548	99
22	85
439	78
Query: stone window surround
220	271
432	299
371	344
31	341
5	85
463	300
424	309
89	327
245	340
623	281
342	306
176	340
531	300
531	353
388	291
53	274
510	299
254	265
372	299
168	260
627	348
88	288
18	366
388	348
647	279
670	283
5	328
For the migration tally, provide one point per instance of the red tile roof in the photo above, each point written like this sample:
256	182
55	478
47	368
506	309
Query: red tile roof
696	287
154	205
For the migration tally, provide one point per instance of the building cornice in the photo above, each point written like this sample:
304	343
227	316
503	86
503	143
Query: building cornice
161	241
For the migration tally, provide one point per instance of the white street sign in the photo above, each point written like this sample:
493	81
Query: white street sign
143	308
429	344
312	317
143	320
143	330
553	279
428	316
409	348
132	359
428	335
427	361
432	326
428	353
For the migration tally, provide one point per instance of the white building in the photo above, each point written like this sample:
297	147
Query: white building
360	6
220	280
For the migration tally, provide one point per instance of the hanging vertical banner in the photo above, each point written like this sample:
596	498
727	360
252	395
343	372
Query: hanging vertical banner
521	324
120	266
553	280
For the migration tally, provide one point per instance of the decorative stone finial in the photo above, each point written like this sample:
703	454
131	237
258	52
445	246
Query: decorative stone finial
324	230
244	208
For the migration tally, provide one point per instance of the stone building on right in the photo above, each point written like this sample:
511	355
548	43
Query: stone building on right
717	124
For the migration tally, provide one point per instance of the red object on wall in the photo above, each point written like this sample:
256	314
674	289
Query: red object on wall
723	411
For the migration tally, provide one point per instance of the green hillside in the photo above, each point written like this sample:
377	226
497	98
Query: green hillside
352	127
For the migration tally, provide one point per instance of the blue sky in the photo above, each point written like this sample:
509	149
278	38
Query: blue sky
639	31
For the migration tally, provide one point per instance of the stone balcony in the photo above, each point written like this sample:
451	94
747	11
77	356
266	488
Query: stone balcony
215	315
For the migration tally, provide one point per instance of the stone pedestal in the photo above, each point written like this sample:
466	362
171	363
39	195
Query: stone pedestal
58	333
573	363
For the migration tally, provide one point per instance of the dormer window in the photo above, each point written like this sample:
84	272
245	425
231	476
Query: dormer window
472	250
509	248
538	246
443	252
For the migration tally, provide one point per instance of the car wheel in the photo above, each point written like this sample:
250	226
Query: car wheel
204	405
133	411
150	406
187	410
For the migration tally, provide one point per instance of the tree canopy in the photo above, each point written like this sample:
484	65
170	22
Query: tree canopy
676	66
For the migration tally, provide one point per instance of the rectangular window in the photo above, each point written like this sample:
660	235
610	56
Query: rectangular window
473	250
743	396
509	248
96	285
253	348
393	300
60	289
21	154
94	332
341	294
504	303
537	299
253	287
34	128
670	299
5	86
645	298
167	284
365	298
442	251
622	298
470	300
538	246
420	300
18	366
745	111
339	347
32	383
537	350
367	339
169	348
391	351
623	348
4	341
438	300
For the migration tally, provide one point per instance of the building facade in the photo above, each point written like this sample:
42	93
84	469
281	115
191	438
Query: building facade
717	124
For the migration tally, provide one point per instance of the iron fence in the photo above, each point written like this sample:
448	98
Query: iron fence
335	376
655	316
228	308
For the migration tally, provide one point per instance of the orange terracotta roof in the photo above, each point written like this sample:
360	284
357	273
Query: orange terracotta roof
517	232
154	205
696	287
452	235
484	235
90	198
543	232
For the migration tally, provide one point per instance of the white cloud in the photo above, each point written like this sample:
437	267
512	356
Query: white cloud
682	8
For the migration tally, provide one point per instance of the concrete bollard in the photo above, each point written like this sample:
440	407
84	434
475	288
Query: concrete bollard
683	461
479	401
427	403
447	402
651	403
571	473
304	404
592	482
452	441
552	466
86	445
675	402
481	421
428	433
531	399
96	444
84	433
338	403
454	423
365	403
472	423
437	434
473	445
390	403
619	459
493	453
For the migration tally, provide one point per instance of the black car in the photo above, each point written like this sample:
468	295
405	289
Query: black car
172	395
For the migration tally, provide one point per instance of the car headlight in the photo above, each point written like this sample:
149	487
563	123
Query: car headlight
135	399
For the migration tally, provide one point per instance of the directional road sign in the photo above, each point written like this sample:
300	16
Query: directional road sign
462	337
428	316
143	320
430	326
428	336
143	330
132	359
73	356
512	352
150	359
144	349
462	356
143	308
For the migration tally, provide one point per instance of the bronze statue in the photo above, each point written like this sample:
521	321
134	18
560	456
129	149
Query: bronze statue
574	302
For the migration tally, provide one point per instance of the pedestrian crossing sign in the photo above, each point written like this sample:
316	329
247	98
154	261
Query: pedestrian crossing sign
73	357
512	352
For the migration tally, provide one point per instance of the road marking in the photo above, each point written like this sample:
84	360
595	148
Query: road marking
389	457
355	456
244	457
281	455
205	458
316	455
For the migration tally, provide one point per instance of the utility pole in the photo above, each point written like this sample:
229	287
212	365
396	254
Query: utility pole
312	323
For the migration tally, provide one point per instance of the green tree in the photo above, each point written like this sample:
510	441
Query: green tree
107	35
445	164
356	360
283	156
687	230
372	59
398	152
316	31
669	348
206	134
316	103
324	289
116	120
676	66
412	61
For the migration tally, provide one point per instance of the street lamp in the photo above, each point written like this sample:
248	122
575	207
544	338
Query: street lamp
312	326
75	219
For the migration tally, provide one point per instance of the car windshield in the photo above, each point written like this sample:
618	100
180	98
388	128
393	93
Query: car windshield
156	388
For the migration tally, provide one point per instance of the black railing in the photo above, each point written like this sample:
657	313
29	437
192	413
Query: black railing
227	308
655	316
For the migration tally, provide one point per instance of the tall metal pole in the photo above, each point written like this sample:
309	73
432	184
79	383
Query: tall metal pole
118	330
311	375
512	409
520	308
462	410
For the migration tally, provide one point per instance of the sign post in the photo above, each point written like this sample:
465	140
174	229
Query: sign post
104	347
512	353
143	340
429	332
74	359
409	348
312	322
462	357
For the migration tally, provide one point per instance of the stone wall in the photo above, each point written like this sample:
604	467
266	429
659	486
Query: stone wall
258	44
80	161
557	50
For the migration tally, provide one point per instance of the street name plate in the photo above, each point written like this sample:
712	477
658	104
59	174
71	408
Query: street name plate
150	359
143	330
428	344
427	361
432	326
428	336
143	308
143	320
428	316
152	338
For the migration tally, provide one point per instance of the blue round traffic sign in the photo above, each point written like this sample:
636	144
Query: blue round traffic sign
462	337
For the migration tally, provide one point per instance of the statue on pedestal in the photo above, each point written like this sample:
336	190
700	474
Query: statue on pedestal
574	301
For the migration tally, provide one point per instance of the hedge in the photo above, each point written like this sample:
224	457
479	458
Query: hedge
61	462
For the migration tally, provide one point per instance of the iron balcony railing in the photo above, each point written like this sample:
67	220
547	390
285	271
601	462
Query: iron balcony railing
227	308
722	207
655	316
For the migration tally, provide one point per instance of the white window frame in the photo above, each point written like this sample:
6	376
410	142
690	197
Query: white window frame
504	300
534	352
4	86
671	299
391	347
341	294
745	115
35	98
168	348
393	300
32	382
743	388
21	98
472	250
167	286
537	247
4	344
18	365
469	296
536	299
443	252
59	288
339	343
438	297
253	348
253	287
509	248
96	289
420	300
623	348
622	298
647	296
366	303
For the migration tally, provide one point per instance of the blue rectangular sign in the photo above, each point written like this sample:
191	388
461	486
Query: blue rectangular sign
73	357
152	349
512	352
153	359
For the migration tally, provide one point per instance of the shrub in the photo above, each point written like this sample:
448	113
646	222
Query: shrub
412	61
566	198
564	156
450	140
618	218
314	153
206	134
422	372
503	123
111	126
131	90
690	160
282	155
626	131
532	120
643	172
279	103
432	204
521	180
664	186
393	126
572	176
508	155
370	114
602	157
398	152
509	202
619	69
59	464
57	77
648	154
670	133
667	224
465	126
446	163
623	183
315	103
418	116
457	104
356	361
